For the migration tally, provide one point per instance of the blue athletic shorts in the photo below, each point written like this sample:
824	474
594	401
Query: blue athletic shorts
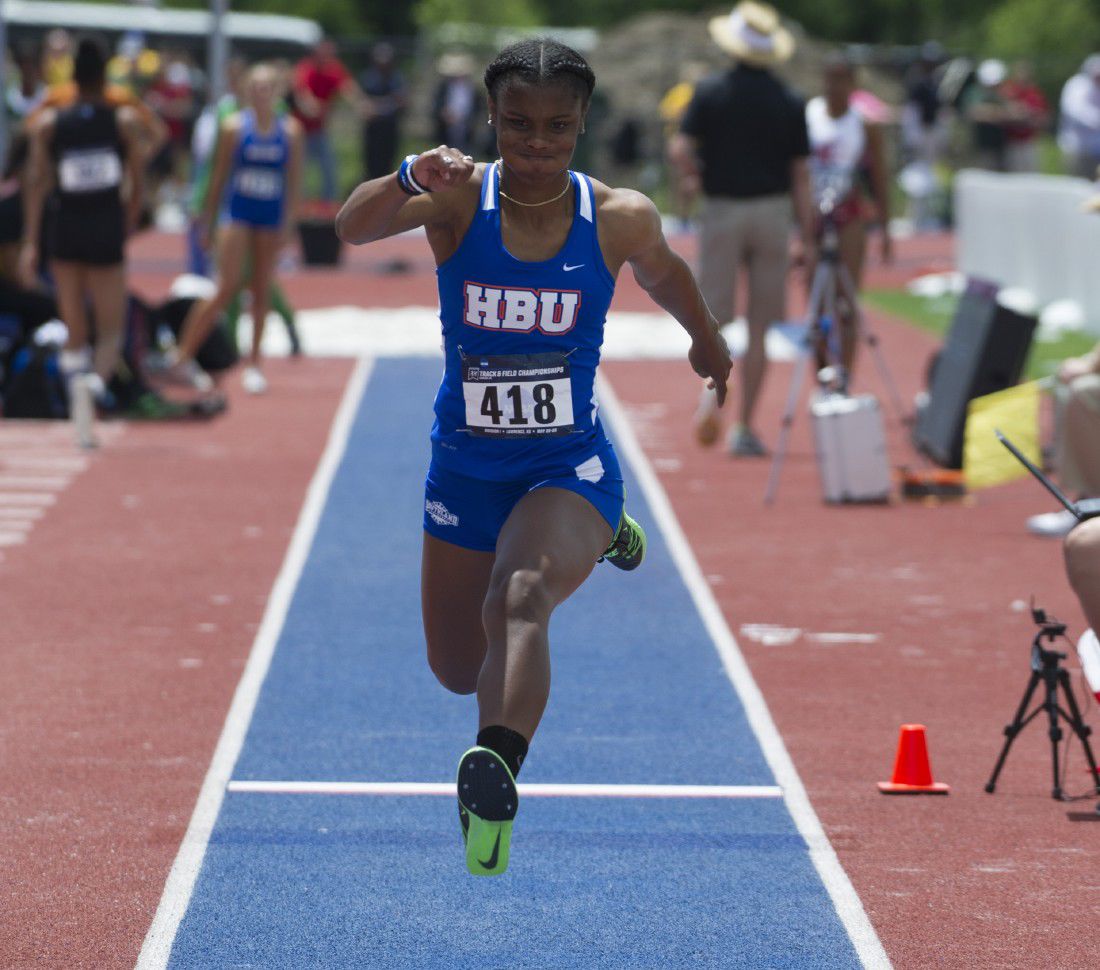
470	512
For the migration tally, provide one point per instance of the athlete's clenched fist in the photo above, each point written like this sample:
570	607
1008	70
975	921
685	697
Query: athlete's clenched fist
442	168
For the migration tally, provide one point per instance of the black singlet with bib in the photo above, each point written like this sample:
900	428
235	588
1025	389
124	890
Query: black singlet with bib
87	223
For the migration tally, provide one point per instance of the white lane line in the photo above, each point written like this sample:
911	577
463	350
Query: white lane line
17	525
19	513
844	637
537	790
157	947
59	462
33	481
27	498
848	905
414	332
12	538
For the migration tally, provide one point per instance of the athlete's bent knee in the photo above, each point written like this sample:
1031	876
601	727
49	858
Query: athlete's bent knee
519	594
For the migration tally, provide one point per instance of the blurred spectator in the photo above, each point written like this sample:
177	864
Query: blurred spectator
457	104
134	65
1079	120
172	97
384	85
1029	114
986	109
257	165
1077	439
92	153
923	126
924	137
153	130
204	149
843	145
744	136
318	81
28	91
57	58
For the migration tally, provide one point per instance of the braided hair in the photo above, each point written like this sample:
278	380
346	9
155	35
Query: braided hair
540	60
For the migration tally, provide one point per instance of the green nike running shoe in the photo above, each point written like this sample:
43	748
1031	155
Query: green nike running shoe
487	804
627	549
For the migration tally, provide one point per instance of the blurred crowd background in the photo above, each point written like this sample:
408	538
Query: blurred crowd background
999	84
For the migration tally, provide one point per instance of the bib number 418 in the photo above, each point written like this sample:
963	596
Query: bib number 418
543	413
518	396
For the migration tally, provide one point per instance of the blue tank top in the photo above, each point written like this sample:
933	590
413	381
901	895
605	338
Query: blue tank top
521	342
257	181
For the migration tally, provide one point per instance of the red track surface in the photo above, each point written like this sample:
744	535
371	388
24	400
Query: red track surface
129	614
971	880
137	598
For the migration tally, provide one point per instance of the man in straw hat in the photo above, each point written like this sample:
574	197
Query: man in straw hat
744	137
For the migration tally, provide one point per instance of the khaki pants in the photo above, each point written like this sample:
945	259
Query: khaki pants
1078	436
749	232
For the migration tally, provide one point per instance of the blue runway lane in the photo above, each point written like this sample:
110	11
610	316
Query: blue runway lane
639	696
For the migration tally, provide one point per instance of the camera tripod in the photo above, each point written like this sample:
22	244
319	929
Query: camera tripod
832	290
1046	667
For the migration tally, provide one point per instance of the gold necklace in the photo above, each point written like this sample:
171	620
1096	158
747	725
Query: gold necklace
535	205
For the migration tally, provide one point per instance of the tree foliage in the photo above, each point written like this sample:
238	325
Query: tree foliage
1055	36
1051	30
340	18
492	13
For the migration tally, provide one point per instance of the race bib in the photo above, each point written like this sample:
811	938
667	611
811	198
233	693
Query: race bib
518	396
260	183
89	170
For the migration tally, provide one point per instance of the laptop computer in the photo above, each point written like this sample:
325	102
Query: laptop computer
1087	508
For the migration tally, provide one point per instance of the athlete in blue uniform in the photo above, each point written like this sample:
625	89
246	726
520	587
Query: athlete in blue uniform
524	492
259	159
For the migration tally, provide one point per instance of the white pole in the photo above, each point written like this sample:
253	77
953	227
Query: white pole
5	60
218	51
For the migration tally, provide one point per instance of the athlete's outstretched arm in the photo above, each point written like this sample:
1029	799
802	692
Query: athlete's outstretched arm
635	221
381	208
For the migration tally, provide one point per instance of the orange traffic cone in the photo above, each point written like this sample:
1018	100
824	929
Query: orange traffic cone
912	772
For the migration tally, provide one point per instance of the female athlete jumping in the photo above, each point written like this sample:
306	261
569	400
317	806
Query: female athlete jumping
524	492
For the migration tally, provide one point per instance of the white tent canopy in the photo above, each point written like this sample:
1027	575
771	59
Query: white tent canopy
192	23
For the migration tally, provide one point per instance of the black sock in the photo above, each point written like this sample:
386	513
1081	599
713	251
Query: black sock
509	744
